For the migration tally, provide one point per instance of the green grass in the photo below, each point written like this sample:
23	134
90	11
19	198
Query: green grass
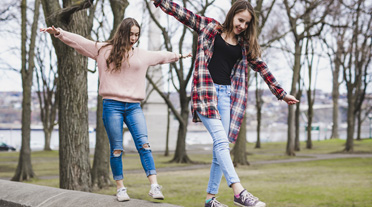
325	183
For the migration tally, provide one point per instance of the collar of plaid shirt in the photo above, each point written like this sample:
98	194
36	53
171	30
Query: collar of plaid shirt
204	99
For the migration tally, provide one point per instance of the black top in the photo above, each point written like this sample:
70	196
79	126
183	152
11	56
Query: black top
223	59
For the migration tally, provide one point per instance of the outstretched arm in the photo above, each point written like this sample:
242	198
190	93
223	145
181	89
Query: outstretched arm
183	15
152	58
82	45
259	66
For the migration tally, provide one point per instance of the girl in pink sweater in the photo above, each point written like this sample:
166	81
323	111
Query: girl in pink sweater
122	72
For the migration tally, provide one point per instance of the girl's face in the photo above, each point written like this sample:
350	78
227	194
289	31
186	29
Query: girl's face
241	21
134	34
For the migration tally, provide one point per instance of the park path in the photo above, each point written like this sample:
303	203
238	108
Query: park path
303	158
300	158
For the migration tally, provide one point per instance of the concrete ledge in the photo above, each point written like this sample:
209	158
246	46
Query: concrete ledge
17	194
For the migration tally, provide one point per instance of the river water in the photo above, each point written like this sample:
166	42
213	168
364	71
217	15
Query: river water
13	137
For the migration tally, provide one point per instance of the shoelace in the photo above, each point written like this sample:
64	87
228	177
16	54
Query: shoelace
216	203
248	196
122	189
157	189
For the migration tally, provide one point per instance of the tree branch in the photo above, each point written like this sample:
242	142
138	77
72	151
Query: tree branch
66	13
169	103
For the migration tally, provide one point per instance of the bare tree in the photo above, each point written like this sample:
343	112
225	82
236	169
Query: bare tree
335	47
355	66
297	118
74	165
300	31
24	169
5	14
46	81
310	92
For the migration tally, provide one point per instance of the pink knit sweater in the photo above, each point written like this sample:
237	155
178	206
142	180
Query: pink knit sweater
128	84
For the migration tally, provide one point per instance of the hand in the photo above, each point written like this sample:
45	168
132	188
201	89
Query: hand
186	56
51	30
290	99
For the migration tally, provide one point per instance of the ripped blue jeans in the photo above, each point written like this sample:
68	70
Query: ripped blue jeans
114	114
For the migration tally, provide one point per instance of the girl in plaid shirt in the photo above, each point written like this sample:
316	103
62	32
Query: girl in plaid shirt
220	85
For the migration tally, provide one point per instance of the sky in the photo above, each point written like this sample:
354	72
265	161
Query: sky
10	54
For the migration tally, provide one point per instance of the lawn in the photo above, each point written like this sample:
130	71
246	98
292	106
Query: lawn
324	183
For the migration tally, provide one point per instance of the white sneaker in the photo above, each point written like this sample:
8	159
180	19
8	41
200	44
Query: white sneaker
260	204
122	194
155	192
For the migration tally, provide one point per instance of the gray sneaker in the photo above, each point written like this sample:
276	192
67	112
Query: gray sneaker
214	203
247	199
155	192
122	194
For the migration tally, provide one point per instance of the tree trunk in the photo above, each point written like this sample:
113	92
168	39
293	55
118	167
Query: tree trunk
166	153
359	126
291	131
73	115
239	151
180	156
349	146
74	165
101	161
259	113
73	119
24	168
335	97
297	119
258	142
47	138
291	111
309	144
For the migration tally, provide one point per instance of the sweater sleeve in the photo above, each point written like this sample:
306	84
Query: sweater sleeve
261	67
183	15
158	57
82	45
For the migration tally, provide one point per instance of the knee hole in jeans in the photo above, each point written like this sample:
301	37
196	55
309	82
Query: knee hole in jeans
146	146
117	153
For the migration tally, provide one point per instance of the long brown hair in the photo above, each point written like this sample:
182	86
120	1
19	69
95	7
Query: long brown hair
250	34
120	44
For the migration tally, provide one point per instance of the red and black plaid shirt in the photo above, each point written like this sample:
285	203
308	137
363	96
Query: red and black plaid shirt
204	98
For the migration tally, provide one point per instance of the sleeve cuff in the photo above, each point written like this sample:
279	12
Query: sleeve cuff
157	2
60	33
282	95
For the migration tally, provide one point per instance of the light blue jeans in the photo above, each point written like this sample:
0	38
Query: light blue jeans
219	130
114	114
